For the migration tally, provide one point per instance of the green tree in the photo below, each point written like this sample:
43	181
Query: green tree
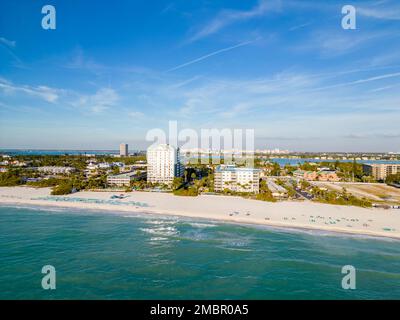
177	183
393	178
10	178
276	169
115	170
65	187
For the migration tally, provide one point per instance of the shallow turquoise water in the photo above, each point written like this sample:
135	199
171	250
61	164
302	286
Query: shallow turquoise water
112	256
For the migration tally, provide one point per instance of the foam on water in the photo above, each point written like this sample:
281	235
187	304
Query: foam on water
202	225
164	231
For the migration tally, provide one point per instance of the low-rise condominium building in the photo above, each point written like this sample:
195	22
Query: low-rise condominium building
237	179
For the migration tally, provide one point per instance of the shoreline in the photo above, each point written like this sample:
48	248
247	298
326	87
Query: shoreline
268	226
304	216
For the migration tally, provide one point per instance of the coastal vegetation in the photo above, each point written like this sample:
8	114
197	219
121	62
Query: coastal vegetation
186	191
393	179
291	193
265	194
347	171
44	183
64	187
339	198
196	179
10	178
61	183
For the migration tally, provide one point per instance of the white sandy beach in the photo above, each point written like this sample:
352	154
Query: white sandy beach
306	215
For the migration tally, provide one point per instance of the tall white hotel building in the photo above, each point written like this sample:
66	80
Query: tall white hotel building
163	164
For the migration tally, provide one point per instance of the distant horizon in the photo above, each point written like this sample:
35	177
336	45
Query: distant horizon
140	150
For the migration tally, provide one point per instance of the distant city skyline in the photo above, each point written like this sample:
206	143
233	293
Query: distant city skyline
281	152
284	68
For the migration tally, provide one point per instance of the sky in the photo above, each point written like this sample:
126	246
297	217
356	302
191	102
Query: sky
113	70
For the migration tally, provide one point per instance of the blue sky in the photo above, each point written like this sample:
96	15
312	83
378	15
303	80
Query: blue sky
112	70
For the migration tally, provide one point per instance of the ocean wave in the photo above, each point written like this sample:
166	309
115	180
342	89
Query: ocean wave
163	231
159	239
34	208
159	219
162	221
317	232
195	235
237	249
201	225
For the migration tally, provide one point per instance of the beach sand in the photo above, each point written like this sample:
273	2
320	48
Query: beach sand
288	214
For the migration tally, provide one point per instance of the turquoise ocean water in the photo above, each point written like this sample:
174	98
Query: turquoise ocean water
112	256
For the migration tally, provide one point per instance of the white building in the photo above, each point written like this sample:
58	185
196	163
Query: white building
17	163
123	179
236	179
56	170
118	164
380	171
123	150
101	165
276	190
163	164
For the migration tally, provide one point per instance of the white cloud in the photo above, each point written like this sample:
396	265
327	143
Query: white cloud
360	81
387	13
337	43
190	107
8	43
300	26
43	92
228	17
102	100
209	55
136	114
386	88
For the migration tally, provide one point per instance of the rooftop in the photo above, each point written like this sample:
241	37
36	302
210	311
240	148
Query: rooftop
161	147
233	168
274	187
125	175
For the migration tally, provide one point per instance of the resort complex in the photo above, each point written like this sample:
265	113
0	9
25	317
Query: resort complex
163	164
160	168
